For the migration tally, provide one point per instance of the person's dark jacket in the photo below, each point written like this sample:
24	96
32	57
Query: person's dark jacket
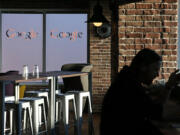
127	109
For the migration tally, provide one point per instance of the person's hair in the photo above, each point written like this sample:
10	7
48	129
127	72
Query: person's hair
145	57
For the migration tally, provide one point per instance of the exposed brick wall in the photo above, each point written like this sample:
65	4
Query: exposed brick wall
149	24
100	57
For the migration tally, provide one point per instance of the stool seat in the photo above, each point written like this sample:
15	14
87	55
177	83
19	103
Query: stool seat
9	98
38	93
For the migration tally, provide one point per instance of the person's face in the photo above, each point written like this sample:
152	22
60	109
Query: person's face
150	72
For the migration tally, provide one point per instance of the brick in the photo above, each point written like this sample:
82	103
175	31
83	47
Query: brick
173	41
126	29
170	1
127	6
127	52
169	64
142	29
161	41
121	35
143	41
175	6
152	24
126	18
166	35
134	12
151	12
173	30
152	35
125	41
161	29
153	47
134	35
144	18
162	6
163	17
134	23
139	46
170	12
143	6
171	24
169	52
171	47
169	58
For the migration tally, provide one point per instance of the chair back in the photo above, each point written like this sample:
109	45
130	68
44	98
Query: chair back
80	83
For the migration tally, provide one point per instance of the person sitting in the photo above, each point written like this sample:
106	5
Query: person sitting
128	108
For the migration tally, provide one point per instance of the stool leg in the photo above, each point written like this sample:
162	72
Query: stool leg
5	115
91	126
60	110
57	110
19	119
11	121
30	120
44	113
80	111
66	115
39	115
76	125
24	122
35	118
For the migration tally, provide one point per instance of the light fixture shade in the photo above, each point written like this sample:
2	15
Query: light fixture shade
97	16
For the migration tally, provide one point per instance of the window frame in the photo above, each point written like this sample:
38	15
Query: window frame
43	12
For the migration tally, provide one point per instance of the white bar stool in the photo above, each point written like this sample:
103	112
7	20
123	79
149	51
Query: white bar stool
64	100
25	105
80	95
36	103
10	111
37	93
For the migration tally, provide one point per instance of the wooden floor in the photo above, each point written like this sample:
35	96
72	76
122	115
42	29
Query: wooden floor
165	127
96	121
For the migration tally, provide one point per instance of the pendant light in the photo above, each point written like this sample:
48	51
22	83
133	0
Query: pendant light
97	18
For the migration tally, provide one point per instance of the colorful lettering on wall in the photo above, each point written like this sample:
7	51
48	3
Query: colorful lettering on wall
68	35
12	33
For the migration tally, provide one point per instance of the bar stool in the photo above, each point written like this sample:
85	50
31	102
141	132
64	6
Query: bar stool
10	105
10	111
64	100
38	93
36	103
58	104
79	96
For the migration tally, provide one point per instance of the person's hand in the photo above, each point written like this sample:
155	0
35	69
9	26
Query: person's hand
173	80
